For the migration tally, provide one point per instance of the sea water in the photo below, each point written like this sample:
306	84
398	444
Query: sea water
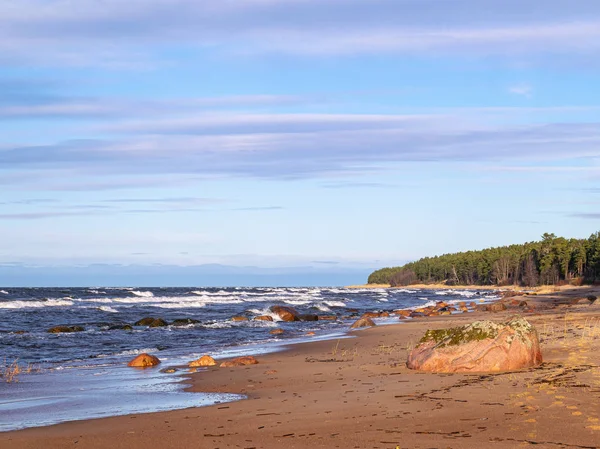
83	375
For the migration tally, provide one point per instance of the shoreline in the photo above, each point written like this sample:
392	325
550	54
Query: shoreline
357	392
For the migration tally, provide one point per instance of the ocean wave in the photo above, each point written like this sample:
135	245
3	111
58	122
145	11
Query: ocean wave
4	292
35	304
142	294
178	305
129	352
335	303
108	309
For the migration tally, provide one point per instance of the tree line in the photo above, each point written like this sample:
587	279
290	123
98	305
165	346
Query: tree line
550	261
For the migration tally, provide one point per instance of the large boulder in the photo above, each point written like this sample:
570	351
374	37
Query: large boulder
144	361
482	346
240	361
285	313
362	322
205	360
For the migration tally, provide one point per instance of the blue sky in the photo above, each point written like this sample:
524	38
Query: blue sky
314	137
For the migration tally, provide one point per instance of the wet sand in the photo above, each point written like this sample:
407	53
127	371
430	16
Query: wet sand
358	393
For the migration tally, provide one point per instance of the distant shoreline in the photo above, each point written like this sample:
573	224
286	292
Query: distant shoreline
543	289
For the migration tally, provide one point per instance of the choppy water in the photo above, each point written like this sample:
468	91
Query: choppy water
94	360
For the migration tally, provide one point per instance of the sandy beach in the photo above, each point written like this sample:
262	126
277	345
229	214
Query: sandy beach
357	393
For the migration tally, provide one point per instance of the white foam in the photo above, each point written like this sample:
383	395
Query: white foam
142	294
335	303
35	304
4	292
108	309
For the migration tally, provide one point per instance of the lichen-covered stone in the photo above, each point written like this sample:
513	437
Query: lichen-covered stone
482	346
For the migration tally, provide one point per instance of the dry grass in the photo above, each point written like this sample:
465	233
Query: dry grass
10	371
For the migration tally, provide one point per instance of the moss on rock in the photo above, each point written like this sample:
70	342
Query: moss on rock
476	331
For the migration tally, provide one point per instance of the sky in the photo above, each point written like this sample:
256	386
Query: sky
289	141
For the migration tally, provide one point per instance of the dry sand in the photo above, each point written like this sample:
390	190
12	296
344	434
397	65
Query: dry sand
358	393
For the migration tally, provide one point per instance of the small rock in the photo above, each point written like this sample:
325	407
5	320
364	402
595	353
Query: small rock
65	329
285	313
362	322
144	361
263	318
310	334
168	370
308	317
327	317
184	322
120	327
276	332
240	361
497	307
239	318
151	322
205	360
403	313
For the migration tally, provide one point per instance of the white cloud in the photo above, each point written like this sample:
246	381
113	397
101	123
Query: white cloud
524	90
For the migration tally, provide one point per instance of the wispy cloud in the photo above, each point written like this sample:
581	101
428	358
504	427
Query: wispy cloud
524	90
56	33
300	146
586	216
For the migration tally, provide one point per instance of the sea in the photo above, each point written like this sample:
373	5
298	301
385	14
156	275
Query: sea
83	375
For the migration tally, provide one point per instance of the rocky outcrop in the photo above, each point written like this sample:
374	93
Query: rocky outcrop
482	346
240	361
65	329
205	360
151	322
362	322
144	361
286	313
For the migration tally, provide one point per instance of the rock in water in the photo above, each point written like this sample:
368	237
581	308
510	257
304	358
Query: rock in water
482	346
285	313
362	322
205	360
240	361
151	322
144	361
63	329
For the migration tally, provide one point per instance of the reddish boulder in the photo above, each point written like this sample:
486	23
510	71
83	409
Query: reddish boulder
497	307
205	360
144	361
403	313
482	346
362	322
285	313
239	318
240	361
375	315
263	318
